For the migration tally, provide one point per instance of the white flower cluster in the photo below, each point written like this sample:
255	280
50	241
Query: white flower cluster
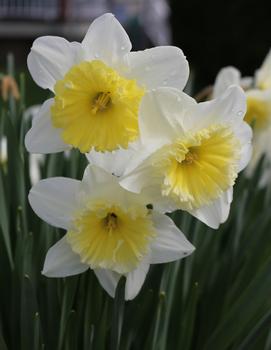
152	150
258	95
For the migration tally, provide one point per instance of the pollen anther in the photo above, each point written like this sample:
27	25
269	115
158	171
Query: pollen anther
101	102
190	157
111	221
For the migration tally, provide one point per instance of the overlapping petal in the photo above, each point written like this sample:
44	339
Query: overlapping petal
164	114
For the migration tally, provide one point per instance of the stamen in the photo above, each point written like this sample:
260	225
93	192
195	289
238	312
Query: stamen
100	102
110	221
109	237
190	157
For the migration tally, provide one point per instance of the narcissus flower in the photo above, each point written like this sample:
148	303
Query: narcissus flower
200	148
109	230
258	115
98	86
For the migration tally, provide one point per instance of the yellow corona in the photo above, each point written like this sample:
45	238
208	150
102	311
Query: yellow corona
258	113
96	108
110	237
198	169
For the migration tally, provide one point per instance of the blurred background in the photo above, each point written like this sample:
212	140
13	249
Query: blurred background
212	34
21	21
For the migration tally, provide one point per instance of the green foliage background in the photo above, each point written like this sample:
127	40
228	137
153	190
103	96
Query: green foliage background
216	299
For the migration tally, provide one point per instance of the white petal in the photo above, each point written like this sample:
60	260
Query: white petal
43	137
49	60
229	108
113	162
3	149
135	280
261	146
55	200
106	40
170	243
263	74
244	134
61	261
99	184
138	178
35	162
215	213
108	280
226	77
95	177
163	113
31	112
159	66
247	82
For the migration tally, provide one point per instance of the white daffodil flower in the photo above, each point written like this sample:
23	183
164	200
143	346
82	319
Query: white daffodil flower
109	230
3	150
258	115
98	86
263	74
35	160
200	148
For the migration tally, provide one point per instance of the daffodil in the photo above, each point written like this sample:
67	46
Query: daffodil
258	115
3	150
200	148
109	230
98	86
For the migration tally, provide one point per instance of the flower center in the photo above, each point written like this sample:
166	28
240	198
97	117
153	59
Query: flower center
96	108
110	222
111	237
190	157
100	102
196	170
258	113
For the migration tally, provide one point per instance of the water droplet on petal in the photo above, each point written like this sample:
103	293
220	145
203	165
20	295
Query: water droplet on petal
122	48
96	55
240	113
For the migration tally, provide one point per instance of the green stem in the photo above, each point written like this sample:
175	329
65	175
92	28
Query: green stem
117	317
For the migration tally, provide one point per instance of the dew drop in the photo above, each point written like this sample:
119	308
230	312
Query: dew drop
240	113
122	48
